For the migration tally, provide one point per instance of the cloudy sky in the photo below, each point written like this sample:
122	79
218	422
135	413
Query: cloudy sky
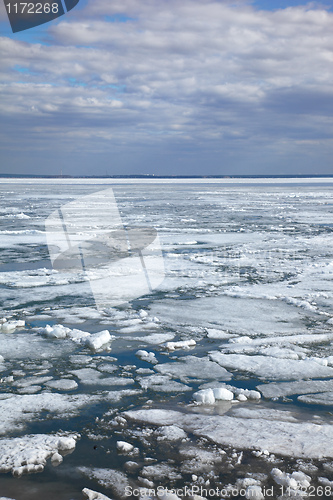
170	87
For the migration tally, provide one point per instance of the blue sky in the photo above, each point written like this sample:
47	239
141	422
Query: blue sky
162	87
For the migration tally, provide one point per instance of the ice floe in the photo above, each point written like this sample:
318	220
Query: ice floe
272	368
17	410
187	367
209	396
295	483
182	344
115	480
146	356
62	384
161	383
11	326
95	341
93	495
277	390
124	447
154	338
30	453
250	431
90	376
323	398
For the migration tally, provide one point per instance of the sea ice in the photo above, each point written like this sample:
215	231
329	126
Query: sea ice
185	344
146	356
193	367
255	317
11	326
154	338
323	398
89	376
268	367
93	495
94	341
296	439
277	390
160	471
213	333
108	478
295	484
205	396
62	384
162	383
170	433
124	447
16	410
325	482
97	340
30	453
222	394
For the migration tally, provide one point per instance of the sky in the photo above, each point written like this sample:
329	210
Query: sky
170	87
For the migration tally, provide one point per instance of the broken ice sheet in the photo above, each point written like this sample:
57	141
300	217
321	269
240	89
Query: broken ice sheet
273	368
19	410
249	430
30	453
192	367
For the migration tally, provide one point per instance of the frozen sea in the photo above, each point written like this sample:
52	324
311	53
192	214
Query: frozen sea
218	382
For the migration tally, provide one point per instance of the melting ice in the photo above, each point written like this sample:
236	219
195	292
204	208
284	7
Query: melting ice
220	379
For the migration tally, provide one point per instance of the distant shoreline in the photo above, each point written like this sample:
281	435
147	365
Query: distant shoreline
152	176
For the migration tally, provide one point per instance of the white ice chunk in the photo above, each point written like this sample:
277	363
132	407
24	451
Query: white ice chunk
255	395
57	331
108	478
185	344
93	495
167	495
170	433
205	396
303	480
213	333
325	482
284	479
11	326
146	356
223	394
154	338
162	383
30	453
124	447
254	492
97	340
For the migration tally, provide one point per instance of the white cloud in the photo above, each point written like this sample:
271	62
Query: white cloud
235	80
